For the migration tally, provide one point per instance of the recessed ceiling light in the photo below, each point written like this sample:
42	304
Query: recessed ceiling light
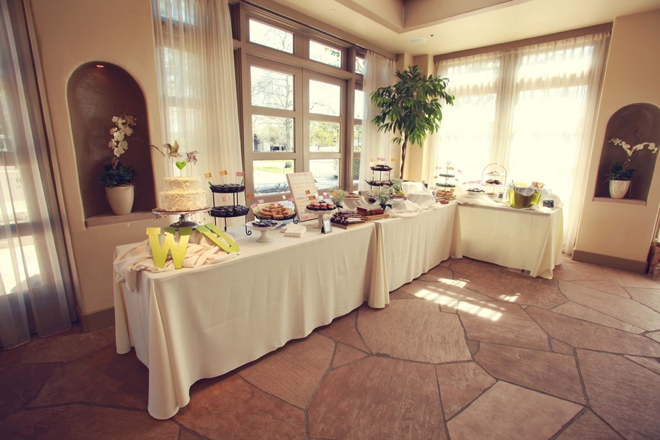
417	41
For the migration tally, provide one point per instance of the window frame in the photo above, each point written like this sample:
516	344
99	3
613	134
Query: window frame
248	53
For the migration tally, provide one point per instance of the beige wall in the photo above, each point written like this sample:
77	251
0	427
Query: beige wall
631	76
70	33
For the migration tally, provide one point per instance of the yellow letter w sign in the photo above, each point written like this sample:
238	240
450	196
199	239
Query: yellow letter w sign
169	245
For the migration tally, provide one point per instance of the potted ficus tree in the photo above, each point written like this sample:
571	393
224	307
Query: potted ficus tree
411	108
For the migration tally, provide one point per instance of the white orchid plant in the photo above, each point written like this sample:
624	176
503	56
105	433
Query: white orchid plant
117	174
622	171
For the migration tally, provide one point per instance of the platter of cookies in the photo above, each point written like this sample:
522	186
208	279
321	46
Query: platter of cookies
274	211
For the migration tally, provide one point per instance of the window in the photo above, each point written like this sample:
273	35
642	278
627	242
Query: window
269	36
526	109
359	65
297	116
324	54
358	114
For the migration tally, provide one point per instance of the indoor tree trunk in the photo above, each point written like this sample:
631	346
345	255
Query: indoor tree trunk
403	155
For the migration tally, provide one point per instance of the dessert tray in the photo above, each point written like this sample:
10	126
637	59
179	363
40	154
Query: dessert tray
227	188
265	226
323	214
347	220
229	211
274	211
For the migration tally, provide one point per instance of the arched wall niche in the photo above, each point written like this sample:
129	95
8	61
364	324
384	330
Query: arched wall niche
97	91
634	124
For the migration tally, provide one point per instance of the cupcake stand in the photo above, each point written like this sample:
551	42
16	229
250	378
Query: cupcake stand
229	211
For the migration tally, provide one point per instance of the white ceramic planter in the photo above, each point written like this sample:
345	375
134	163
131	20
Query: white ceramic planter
121	199
619	188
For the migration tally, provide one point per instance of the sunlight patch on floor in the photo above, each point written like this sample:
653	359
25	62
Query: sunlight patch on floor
449	299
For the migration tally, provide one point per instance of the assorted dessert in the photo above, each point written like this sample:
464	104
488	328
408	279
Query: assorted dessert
321	205
379	182
347	218
475	190
352	196
275	211
182	194
370	211
381	167
229	211
227	188
265	223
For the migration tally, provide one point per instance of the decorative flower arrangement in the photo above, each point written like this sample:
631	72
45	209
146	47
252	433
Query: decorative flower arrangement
622	171
338	195
116	173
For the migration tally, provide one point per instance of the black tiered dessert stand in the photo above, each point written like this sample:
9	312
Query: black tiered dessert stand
229	211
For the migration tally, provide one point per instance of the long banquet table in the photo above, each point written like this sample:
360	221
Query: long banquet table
515	238
191	324
413	245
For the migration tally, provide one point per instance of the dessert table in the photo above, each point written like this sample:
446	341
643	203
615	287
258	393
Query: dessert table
516	238
195	323
412	246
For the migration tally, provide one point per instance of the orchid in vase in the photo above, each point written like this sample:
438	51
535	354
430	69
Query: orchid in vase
622	171
116	173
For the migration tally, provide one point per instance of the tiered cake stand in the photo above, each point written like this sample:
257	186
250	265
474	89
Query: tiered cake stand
265	231
184	217
233	210
322	215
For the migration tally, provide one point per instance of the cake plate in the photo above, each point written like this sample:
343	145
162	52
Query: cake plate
265	231
322	215
184	221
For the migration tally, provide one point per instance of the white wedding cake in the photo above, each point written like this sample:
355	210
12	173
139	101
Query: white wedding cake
182	194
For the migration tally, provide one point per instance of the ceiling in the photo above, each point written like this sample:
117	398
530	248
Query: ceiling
453	25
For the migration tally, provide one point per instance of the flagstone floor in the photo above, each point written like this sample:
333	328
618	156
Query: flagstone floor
467	351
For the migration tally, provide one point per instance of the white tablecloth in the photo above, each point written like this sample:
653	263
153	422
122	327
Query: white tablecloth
413	245
198	323
515	238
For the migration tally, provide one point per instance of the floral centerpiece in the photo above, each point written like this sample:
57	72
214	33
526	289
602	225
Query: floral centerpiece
338	195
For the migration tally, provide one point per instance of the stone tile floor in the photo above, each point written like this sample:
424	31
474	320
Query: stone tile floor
467	351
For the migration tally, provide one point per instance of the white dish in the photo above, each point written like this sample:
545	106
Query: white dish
265	231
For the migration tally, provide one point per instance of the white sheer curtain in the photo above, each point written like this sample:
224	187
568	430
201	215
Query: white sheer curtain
378	72
197	83
35	289
466	132
531	110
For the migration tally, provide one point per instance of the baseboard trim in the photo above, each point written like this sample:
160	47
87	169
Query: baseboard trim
609	261
97	320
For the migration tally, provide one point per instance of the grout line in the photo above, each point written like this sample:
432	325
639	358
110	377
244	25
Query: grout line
473	400
581	378
183	427
357	330
313	395
93	404
442	408
568	424
268	393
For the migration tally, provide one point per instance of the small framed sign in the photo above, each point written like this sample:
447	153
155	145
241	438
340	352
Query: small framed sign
549	204
327	226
